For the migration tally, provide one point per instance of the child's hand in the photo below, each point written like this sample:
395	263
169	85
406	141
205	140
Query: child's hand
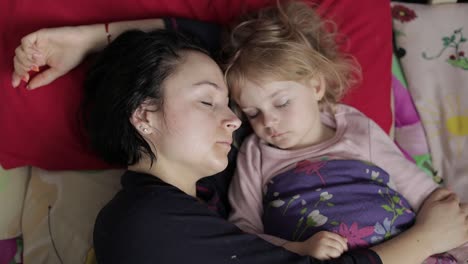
323	245
443	221
326	245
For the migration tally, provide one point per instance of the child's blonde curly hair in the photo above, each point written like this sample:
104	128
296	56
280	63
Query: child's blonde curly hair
288	41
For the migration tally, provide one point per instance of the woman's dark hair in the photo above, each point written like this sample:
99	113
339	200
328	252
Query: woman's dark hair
130	71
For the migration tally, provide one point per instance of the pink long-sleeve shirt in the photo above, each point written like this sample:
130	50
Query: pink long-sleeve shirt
356	137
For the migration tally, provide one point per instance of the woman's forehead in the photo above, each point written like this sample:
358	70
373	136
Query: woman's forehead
196	65
197	70
197	61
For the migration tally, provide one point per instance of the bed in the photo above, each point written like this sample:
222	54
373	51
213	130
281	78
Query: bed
415	86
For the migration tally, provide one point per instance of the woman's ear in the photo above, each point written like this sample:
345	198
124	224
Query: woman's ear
142	119
317	83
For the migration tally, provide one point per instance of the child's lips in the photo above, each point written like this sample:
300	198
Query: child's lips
275	135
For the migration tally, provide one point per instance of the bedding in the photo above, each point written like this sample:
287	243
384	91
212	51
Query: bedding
59	213
13	185
40	128
51	112
409	131
436	69
434	60
11	251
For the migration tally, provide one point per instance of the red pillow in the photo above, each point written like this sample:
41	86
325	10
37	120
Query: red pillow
40	127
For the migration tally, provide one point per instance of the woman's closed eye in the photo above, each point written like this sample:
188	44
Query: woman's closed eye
210	104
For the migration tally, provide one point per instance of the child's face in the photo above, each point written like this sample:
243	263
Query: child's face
284	113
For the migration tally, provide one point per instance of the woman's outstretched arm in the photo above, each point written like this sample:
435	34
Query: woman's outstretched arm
63	48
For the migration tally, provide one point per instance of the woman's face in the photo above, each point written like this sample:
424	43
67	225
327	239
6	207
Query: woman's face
194	131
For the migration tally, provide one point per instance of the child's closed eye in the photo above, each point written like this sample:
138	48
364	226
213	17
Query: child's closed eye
283	104
251	115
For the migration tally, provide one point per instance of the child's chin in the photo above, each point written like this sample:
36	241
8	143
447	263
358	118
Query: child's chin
283	144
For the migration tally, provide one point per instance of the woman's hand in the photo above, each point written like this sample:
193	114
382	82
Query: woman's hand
441	224
61	49
443	221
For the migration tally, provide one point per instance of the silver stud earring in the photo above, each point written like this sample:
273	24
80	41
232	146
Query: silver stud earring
144	129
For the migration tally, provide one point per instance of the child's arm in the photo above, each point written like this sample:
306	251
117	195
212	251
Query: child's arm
246	196
409	180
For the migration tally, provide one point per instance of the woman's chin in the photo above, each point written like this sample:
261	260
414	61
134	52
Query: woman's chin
218	166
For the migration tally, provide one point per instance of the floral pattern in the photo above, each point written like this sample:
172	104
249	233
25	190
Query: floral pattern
453	43
356	202
348	197
403	13
384	231
355	235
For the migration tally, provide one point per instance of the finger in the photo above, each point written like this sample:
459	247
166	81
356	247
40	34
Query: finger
333	243
33	59
38	58
44	78
25	56
464	207
339	239
20	68
29	45
15	80
439	194
19	74
34	56
452	198
331	252
29	41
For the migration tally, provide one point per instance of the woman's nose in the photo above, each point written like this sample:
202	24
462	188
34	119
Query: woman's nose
232	122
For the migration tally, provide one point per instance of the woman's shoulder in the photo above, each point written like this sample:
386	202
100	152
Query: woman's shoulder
143	199
143	213
154	222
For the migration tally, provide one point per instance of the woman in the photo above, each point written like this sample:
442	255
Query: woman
166	116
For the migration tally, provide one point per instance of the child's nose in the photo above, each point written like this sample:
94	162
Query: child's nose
269	120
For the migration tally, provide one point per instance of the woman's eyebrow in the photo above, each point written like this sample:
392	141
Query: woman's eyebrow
212	84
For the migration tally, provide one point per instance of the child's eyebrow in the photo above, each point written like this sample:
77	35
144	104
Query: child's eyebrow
277	92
